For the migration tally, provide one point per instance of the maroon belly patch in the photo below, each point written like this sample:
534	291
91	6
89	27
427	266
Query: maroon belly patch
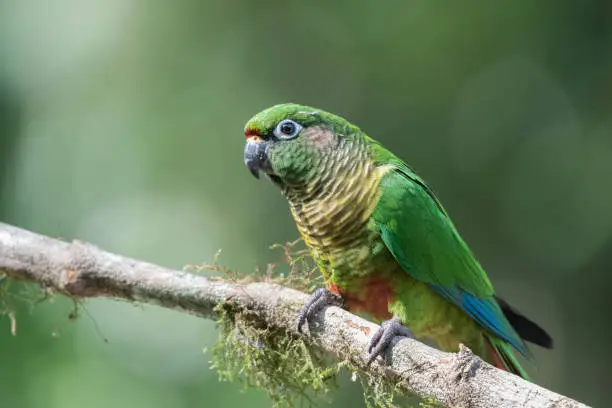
373	297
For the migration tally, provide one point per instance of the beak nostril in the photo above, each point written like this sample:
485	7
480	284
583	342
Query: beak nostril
255	139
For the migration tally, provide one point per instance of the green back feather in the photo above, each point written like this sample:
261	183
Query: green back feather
422	238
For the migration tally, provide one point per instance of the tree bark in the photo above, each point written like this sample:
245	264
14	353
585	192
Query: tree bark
81	270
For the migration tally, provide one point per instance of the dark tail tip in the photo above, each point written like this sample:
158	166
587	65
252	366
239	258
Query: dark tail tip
527	329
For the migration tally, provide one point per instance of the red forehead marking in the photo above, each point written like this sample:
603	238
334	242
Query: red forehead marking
250	132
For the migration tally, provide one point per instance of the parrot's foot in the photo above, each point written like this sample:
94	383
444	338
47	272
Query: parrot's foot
318	299
384	336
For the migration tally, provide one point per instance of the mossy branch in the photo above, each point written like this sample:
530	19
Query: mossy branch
81	270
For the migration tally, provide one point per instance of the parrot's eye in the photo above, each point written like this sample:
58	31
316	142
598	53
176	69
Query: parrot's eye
287	129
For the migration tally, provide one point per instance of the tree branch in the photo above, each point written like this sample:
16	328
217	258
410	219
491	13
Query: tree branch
81	270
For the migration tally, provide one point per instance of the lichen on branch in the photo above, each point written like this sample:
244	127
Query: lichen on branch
284	365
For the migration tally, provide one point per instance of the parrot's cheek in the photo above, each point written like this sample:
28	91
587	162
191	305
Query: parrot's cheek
256	158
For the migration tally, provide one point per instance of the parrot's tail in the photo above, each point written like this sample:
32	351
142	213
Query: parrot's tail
503	356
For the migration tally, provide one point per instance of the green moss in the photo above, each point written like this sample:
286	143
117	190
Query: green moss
292	373
5	307
283	365
429	403
14	295
296	269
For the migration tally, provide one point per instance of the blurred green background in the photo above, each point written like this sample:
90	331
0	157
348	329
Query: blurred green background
121	124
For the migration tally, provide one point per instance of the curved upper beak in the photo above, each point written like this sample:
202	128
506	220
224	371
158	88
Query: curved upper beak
255	156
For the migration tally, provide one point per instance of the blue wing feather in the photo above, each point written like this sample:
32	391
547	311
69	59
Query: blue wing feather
486	312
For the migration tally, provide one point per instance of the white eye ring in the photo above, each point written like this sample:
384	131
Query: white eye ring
287	129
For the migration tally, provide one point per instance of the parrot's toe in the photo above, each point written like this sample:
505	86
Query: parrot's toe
318	299
384	336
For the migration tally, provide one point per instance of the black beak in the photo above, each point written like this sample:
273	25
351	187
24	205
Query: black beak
255	157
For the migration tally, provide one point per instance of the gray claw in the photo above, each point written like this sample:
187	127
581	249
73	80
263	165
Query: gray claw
383	337
318	299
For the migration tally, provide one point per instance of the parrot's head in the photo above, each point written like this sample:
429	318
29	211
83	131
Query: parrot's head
292	143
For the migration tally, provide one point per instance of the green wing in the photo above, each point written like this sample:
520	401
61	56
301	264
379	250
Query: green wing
422	238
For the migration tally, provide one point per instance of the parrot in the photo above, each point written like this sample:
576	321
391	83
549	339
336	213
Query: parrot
382	240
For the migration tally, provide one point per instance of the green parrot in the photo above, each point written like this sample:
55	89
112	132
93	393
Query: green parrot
381	238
